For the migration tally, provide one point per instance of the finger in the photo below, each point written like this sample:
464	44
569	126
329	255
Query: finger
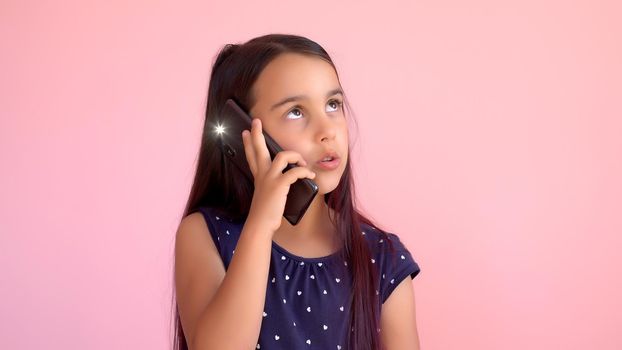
249	152
262	156
292	175
284	158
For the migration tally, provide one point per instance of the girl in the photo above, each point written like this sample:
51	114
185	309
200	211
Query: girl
245	278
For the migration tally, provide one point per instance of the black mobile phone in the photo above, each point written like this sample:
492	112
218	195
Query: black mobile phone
233	120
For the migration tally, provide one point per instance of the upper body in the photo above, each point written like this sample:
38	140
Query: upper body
307	297
290	88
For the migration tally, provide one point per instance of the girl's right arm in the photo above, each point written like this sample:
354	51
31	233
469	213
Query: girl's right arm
225	311
218	310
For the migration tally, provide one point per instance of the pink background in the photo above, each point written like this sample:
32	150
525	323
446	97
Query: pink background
489	139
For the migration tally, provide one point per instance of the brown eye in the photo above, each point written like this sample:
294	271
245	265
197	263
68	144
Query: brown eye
336	103
294	109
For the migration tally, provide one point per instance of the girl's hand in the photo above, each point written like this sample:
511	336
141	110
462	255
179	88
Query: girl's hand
271	184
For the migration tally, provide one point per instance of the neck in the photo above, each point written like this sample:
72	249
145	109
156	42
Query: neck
314	224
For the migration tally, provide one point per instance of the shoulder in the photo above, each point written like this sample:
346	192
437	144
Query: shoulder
381	242
192	226
224	231
217	221
194	218
392	257
193	233
193	246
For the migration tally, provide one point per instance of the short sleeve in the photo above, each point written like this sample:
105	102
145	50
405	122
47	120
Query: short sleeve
207	215
216	228
395	267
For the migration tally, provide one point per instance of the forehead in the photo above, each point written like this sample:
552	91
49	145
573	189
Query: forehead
294	74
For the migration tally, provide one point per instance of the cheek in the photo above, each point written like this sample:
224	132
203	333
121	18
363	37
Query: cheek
284	140
288	144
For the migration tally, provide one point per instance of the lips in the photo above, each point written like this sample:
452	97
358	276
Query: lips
331	154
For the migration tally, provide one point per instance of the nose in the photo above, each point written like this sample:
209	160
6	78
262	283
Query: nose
326	129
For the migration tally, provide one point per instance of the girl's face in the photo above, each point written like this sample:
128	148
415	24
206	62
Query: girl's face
298	103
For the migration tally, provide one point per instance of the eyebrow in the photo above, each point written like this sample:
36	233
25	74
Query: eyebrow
301	97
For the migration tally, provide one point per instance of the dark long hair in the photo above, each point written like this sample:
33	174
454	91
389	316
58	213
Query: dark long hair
217	184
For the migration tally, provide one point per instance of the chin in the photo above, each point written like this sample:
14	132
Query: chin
322	190
327	182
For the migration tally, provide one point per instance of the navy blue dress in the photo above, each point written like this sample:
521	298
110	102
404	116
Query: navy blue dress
306	303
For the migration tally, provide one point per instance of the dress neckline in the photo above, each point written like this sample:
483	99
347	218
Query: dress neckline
301	258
